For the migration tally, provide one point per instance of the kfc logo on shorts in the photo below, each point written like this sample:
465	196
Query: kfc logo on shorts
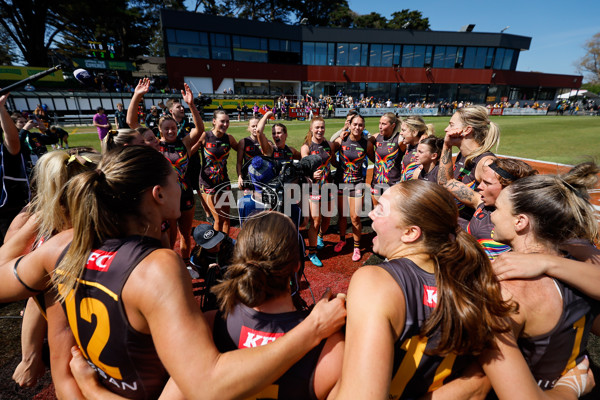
253	338
100	260
430	296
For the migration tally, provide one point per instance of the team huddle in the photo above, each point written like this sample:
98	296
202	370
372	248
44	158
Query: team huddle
487	288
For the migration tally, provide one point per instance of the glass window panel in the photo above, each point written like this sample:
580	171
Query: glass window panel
220	40
428	55
375	55
171	37
469	61
190	37
204	38
439	56
251	55
308	53
354	52
330	53
274	44
364	55
498	61
450	57
508	56
295	46
419	56
250	43
480	57
320	53
342	54
236	41
263	44
489	58
407	56
397	54
188	51
387	55
459	56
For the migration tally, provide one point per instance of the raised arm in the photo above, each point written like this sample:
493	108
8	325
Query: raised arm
11	133
198	130
240	161
140	90
266	147
184	339
446	175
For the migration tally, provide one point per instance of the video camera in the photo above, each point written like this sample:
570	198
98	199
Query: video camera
297	172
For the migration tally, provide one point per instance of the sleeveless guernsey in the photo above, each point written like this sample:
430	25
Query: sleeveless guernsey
246	327
126	360
214	160
415	372
388	161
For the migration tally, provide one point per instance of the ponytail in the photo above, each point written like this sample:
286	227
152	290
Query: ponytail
485	132
559	206
470	309
265	258
467	288
100	204
118	138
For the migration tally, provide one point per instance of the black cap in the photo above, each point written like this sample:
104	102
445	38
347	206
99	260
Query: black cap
207	237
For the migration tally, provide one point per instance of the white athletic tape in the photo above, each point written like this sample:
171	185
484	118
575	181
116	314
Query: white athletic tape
575	379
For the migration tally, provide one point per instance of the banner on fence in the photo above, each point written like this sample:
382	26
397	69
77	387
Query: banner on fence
524	111
10	73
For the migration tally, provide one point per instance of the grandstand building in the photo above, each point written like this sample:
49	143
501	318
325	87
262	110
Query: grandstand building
215	54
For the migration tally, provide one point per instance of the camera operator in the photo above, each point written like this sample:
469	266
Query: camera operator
33	144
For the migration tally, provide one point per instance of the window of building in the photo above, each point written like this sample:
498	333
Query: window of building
490	57
308	53
480	58
407	55
397	54
508	58
450	60
182	43
419	56
248	48
342	54
470	55
375	55
354	54
282	52
499	60
220	46
439	56
387	55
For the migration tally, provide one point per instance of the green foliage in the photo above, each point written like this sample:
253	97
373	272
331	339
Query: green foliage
7	55
407	19
372	20
592	87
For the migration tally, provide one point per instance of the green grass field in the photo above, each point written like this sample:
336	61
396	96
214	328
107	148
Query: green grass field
566	139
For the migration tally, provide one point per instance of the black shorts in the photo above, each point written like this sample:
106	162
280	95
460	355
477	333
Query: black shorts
351	189
187	199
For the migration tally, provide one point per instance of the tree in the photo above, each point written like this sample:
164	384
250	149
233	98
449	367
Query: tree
33	26
320	13
590	63
7	55
372	20
407	19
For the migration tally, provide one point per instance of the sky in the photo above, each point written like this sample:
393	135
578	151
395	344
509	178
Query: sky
559	29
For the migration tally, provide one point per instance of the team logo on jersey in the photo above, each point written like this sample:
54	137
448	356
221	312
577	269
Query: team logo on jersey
345	148
430	296
210	145
379	144
100	260
249	148
253	338
277	154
